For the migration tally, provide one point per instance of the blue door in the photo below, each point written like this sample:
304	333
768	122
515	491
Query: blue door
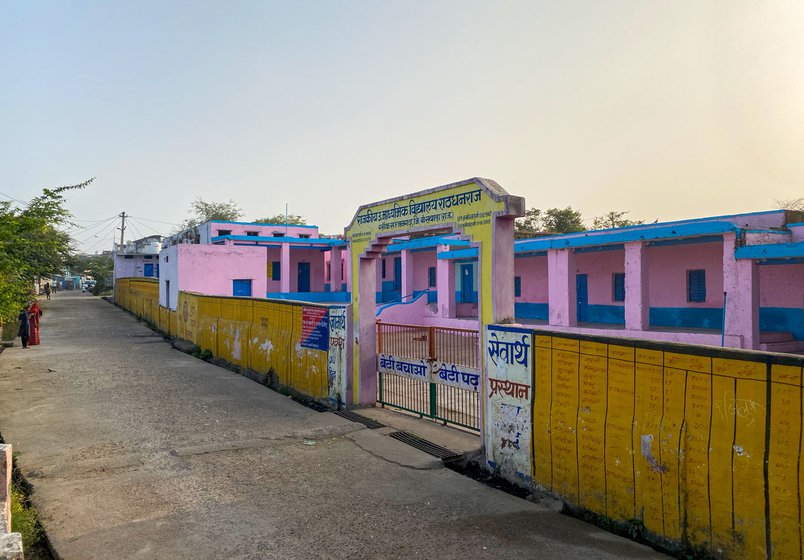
241	288
148	270
398	274
467	283
582	294
304	277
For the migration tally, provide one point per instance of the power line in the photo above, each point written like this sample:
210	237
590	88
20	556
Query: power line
135	228
157	221
147	226
99	241
88	228
108	227
14	199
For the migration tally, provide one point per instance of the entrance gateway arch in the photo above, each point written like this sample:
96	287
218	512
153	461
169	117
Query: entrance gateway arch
478	210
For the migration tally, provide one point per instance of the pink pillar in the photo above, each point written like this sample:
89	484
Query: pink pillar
335	275
445	284
347	268
367	333
502	270
561	287
741	284
284	268
637	301
407	275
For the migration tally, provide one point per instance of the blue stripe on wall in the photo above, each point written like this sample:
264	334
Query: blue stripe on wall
691	317
460	299
608	314
526	310
782	319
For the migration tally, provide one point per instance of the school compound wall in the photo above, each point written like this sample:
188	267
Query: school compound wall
701	446
302	344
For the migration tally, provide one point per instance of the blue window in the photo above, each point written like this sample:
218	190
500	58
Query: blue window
241	288
696	286
383	268
148	270
276	270
431	277
618	286
517	286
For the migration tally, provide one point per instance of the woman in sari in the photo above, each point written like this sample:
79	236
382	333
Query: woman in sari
25	327
34	313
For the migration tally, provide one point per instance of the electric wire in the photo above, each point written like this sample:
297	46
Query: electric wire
157	221
107	228
147	226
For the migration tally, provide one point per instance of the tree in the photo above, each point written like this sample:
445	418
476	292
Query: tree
100	267
552	220
31	245
202	211
614	219
795	204
290	219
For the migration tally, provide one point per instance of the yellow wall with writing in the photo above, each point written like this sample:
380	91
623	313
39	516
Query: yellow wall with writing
255	334
675	440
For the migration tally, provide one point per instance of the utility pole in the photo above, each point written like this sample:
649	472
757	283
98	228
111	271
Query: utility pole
122	229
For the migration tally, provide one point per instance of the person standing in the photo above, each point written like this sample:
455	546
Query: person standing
47	290
33	319
25	327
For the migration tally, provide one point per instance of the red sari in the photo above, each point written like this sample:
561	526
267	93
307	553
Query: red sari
34	313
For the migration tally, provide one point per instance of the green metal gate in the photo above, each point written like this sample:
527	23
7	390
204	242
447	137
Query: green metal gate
430	371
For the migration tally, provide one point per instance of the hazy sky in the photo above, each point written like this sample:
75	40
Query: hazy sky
668	109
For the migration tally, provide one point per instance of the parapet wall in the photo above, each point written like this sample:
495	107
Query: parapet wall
301	344
700	447
10	543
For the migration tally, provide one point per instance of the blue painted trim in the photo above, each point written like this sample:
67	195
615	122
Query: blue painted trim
689	317
500	328
258	224
458	254
606	314
594	238
392	304
688	241
315	297
771	251
525	255
292	240
782	319
794	225
427	242
781	261
527	310
472	297
615	247
775	231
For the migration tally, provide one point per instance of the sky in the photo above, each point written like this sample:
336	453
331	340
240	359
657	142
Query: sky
668	110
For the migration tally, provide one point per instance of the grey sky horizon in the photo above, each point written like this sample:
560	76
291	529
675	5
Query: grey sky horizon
669	110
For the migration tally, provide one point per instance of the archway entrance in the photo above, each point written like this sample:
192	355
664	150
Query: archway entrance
476	210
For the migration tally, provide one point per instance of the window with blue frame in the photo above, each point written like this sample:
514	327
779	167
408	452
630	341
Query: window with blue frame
431	277
517	286
241	288
148	270
696	286
383	268
618	286
276	270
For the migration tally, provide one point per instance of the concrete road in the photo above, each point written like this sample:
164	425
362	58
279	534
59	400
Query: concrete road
136	450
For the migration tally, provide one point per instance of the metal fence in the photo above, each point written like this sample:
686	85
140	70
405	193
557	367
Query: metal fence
428	396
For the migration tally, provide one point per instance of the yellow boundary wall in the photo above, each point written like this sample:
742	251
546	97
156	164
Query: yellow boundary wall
259	335
701	445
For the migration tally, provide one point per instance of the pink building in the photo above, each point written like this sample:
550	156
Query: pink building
252	260
138	259
736	281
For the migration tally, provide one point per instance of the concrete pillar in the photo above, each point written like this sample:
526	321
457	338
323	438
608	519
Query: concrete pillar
445	284
561	287
367	333
741	284
637	300
335	272
407	275
347	263
502	271
284	267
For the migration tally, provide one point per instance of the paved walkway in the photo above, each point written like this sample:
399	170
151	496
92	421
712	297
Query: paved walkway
136	450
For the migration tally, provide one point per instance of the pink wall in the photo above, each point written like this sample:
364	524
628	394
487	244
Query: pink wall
781	285
210	269
421	263
262	230
599	268
316	260
533	271
668	268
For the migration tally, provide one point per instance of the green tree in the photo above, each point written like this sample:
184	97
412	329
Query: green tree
552	220
290	219
202	211
614	219
31	245
100	267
